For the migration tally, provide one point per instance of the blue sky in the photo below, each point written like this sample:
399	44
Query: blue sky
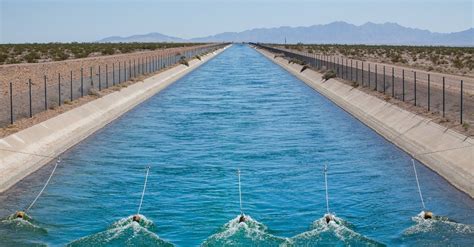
87	20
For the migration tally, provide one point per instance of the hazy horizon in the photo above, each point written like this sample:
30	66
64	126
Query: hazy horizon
42	21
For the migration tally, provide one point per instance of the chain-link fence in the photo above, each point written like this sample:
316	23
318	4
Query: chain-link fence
437	93
26	97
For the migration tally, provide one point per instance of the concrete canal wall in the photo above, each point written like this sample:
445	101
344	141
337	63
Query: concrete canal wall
54	136
447	152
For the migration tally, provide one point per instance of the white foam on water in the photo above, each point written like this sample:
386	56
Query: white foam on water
243	233
124	232
334	232
25	224
437	224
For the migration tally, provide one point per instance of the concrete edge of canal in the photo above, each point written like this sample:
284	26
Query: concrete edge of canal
56	135
445	151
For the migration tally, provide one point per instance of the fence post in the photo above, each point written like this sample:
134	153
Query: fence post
444	96
59	89
376	81
362	74
369	75
403	85
92	81
129	69
119	73
113	74
124	71
106	76
429	93
351	71
461	106
414	80
82	82
384	79
45	94
11	103
100	82
357	71
71	86
393	82
31	110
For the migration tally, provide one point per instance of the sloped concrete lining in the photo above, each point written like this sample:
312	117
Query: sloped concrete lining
54	136
447	152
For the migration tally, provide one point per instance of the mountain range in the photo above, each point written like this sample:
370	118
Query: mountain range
332	33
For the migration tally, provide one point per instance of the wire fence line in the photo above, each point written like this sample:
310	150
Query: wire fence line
443	95
26	97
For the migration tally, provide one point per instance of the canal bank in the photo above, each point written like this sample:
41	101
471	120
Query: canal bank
26	151
447	152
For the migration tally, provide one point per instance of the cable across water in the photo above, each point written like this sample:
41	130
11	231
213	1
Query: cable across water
44	187
240	193
418	184
326	183
144	188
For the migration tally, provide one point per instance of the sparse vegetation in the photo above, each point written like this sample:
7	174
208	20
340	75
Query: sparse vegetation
443	59
296	61
34	53
183	61
94	92
329	74
304	68
465	126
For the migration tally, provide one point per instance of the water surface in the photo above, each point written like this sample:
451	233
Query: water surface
237	111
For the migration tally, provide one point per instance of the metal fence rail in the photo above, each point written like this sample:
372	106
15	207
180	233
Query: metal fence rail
443	95
34	96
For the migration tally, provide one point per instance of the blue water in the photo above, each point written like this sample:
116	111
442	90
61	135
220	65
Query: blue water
237	111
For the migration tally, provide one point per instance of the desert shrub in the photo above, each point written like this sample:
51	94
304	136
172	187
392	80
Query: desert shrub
329	74
304	68
296	61
183	61
94	92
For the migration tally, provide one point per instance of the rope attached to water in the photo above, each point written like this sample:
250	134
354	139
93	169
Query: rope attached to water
418	184
144	188
44	187
240	193
326	183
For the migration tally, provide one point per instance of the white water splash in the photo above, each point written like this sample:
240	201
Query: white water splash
124	232
250	232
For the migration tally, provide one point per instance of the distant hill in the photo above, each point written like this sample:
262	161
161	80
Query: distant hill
332	33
